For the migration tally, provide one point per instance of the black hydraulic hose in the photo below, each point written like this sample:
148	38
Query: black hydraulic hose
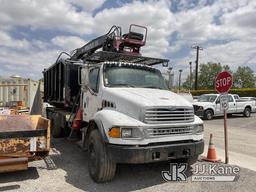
110	32
60	56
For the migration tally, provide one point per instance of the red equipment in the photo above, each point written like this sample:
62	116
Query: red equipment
115	41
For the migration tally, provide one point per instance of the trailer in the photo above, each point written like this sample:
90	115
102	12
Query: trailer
23	138
16	89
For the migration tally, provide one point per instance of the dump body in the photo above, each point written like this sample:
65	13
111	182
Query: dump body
61	84
23	138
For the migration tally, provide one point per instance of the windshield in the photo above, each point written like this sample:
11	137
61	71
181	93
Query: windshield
207	98
133	76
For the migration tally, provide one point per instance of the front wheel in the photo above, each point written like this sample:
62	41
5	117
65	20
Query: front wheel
247	112
100	165
208	114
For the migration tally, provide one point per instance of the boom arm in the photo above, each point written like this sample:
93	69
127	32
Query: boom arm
114	41
97	43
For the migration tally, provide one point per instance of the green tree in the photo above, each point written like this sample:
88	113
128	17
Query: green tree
226	68
206	76
244	77
186	83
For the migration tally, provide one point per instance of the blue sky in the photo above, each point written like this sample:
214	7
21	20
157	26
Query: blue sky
33	32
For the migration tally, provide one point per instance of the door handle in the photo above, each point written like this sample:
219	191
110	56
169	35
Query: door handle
234	104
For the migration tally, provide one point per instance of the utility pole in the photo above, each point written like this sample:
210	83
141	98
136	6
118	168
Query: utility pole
180	78
169	71
198	48
190	75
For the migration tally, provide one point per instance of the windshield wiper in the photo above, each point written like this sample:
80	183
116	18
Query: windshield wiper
153	87
121	84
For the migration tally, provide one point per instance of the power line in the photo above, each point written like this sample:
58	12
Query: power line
198	48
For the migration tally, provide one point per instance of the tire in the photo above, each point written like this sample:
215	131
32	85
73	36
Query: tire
101	167
247	112
56	131
208	114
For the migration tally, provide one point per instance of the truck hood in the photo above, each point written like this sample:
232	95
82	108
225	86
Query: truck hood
132	101
203	104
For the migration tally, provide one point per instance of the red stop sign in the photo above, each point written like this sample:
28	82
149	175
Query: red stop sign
223	82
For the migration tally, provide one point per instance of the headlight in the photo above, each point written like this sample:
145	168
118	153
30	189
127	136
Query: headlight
131	133
200	108
198	129
125	132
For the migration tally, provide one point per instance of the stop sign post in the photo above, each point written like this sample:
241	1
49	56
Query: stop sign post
223	82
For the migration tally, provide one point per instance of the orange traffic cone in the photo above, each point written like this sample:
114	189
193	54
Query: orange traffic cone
211	155
78	120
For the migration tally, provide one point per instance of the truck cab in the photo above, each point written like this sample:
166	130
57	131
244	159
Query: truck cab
131	117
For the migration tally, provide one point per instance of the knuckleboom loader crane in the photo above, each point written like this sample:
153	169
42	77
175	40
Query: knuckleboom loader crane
119	106
115	46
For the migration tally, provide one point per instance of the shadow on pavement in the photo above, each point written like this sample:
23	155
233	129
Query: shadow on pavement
128	177
31	173
233	116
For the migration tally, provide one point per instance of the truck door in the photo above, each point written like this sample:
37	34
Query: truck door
231	104
91	96
218	110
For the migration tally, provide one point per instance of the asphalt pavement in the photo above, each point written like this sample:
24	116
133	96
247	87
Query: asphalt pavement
241	139
66	167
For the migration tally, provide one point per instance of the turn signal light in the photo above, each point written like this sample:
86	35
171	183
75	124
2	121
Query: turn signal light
114	132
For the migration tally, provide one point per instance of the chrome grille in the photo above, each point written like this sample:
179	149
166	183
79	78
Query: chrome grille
169	115
168	131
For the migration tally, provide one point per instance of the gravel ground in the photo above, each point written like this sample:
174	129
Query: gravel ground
66	170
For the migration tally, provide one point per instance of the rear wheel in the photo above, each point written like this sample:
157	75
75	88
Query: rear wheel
56	130
100	165
208	114
247	112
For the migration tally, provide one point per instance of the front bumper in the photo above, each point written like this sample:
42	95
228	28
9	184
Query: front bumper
154	153
199	113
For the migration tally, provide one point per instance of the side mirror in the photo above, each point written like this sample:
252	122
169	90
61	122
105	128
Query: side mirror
218	101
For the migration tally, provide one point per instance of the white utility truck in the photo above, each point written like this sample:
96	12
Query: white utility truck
121	106
208	106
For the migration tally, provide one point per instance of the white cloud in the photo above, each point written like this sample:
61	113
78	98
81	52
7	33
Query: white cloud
68	43
7	41
88	5
155	15
46	14
235	53
231	41
226	29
